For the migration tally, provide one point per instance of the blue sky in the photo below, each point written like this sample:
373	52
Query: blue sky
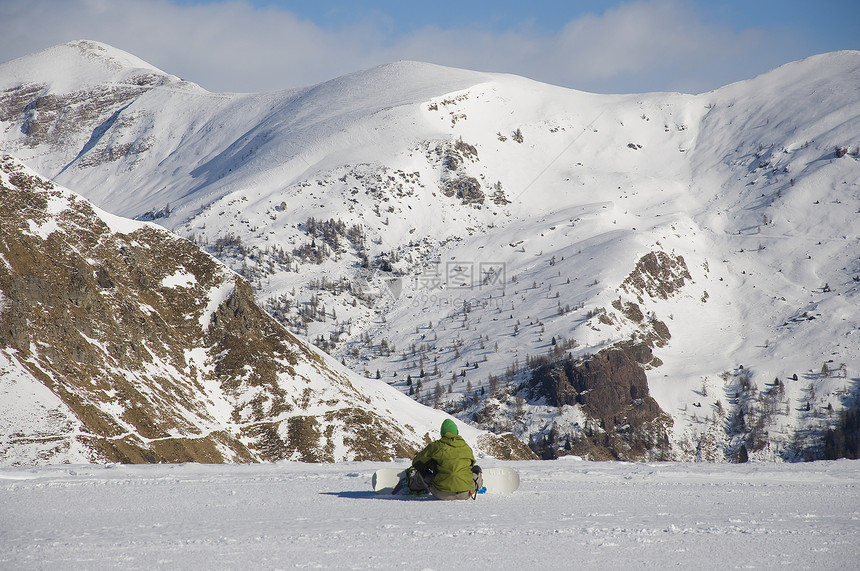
594	45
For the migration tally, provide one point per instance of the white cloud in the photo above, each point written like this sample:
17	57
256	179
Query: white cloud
224	47
639	46
662	38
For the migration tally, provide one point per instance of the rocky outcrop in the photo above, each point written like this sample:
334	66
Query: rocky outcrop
603	383
658	275
456	182
624	421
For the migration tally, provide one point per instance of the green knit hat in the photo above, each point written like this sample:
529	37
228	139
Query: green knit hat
449	426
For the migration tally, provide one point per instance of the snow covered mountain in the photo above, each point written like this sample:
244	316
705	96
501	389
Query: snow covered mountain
123	342
619	276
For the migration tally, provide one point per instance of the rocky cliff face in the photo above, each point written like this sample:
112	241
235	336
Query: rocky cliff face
623	421
155	352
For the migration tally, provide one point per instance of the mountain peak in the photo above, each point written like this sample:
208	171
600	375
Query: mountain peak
107	54
78	64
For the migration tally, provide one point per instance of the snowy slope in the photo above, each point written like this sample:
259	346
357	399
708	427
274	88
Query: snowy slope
120	341
194	142
566	514
413	217
79	65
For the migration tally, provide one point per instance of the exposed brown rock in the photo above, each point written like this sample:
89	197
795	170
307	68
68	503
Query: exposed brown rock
612	388
658	275
507	447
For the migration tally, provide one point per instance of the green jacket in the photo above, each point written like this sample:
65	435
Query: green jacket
454	461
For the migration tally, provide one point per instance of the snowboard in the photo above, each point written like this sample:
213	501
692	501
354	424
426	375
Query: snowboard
496	480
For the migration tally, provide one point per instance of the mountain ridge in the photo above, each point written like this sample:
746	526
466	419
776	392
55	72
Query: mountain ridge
152	351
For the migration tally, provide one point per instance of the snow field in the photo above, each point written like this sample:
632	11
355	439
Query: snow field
566	514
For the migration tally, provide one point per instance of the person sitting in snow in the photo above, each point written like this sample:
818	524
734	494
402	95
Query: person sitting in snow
446	467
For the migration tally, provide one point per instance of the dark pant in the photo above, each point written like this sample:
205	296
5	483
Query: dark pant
422	479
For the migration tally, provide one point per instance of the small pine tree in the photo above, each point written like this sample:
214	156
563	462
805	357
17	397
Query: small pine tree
742	455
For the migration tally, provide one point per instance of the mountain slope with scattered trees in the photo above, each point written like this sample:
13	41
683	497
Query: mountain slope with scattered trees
467	238
120	342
